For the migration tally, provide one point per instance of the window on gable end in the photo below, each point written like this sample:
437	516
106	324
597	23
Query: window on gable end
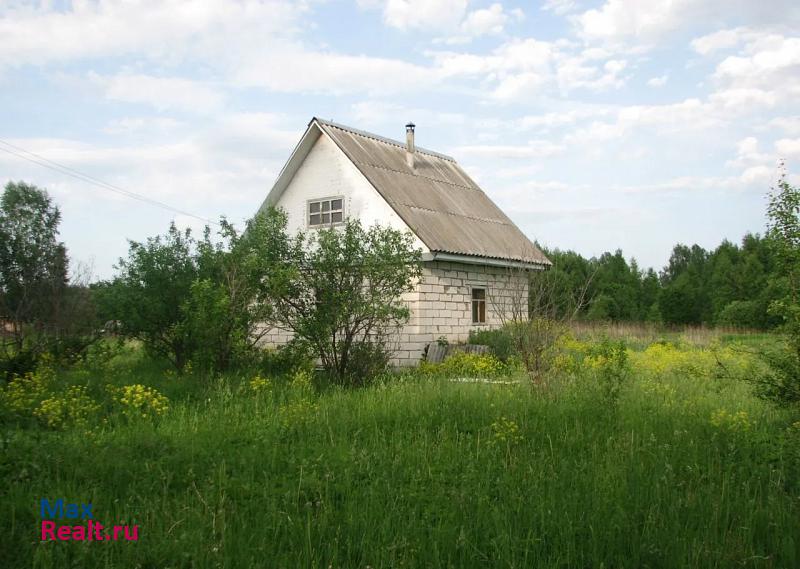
325	212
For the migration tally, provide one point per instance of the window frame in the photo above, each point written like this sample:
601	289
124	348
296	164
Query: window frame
329	200
479	302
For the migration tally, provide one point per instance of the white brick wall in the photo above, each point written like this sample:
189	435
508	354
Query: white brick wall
444	304
448	314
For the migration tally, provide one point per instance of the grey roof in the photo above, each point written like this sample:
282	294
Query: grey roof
436	198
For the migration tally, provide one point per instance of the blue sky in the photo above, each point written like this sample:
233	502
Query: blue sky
595	125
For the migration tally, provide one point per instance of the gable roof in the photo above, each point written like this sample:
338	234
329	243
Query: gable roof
438	201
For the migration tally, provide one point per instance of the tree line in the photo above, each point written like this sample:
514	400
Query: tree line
730	285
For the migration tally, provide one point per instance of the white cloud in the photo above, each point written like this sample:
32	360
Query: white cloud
722	39
643	22
533	149
423	14
244	43
765	72
132	125
617	19
756	168
739	99
761	58
659	81
485	21
790	125
788	147
164	31
163	93
548	121
520	68
295	69
559	7
215	168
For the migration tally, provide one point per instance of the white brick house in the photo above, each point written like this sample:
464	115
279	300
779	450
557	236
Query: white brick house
474	257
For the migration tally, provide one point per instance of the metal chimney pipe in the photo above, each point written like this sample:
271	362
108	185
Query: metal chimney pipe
410	137
410	148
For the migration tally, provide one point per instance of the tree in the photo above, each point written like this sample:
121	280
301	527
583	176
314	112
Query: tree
149	291
342	294
783	233
33	274
199	300
229	304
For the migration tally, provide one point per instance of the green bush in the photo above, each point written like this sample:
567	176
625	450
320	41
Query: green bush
462	364
499	342
609	361
368	361
781	383
743	314
286	359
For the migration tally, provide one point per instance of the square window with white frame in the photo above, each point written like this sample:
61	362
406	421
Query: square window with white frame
479	306
325	212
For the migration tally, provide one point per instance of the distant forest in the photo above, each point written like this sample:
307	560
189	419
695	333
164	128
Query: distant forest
732	285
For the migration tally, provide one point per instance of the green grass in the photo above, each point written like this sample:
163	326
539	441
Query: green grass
416	473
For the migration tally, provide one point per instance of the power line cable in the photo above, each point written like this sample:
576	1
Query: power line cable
40	160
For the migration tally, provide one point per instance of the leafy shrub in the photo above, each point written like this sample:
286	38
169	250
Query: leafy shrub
260	384
99	354
462	364
22	394
73	408
286	359
725	420
139	400
296	413
536	341
505	432
609	361
781	382
499	342
18	363
743	314
368	361
696	363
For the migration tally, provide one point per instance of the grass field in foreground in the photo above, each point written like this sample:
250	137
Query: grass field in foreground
687	470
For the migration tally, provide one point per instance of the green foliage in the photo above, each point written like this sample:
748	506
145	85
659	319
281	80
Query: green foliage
499	342
609	361
782	385
742	314
199	300
150	290
139	400
292	356
696	286
23	394
58	404
535	341
367	362
33	263
343	292
39	310
71	408
465	365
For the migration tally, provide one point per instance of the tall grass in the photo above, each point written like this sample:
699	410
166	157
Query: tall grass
644	333
419	473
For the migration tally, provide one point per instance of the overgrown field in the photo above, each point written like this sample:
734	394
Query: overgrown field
658	456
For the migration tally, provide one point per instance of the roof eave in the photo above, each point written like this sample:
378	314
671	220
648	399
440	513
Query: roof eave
490	261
